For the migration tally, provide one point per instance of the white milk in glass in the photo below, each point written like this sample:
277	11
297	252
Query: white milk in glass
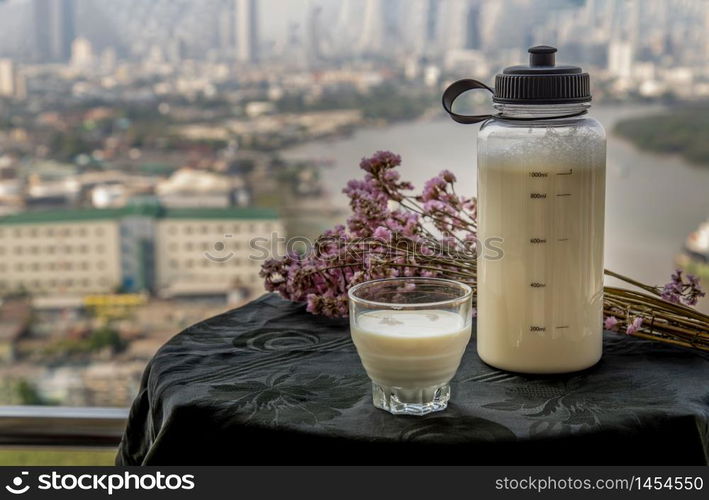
411	349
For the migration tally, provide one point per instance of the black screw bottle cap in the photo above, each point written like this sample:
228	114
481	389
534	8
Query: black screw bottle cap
542	82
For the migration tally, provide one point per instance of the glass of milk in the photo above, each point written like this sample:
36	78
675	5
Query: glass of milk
411	334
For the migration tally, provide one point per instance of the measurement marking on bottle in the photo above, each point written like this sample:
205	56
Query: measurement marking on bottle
538	240
537	284
538	174
570	172
535	196
563	239
535	328
564	194
563	326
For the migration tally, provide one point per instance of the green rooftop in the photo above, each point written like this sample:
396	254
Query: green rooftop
89	214
219	213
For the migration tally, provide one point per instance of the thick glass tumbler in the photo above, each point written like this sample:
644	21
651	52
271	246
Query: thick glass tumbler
410	334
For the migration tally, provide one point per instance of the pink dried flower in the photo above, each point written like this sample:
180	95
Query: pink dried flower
379	160
448	176
678	291
382	233
350	254
610	323
634	326
433	188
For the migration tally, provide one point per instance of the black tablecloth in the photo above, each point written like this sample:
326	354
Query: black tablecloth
271	384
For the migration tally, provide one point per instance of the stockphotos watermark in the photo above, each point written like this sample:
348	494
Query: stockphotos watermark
107	483
276	246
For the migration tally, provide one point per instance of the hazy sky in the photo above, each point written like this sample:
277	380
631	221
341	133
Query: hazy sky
274	17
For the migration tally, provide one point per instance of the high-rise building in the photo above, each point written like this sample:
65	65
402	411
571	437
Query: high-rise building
452	25
314	35
421	25
55	30
246	30
373	27
472	25
432	18
224	27
413	27
347	27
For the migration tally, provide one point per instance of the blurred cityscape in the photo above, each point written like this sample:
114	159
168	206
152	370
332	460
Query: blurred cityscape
141	145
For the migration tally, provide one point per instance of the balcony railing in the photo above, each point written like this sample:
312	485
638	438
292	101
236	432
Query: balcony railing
61	426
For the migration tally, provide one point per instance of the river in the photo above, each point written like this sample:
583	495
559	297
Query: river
652	201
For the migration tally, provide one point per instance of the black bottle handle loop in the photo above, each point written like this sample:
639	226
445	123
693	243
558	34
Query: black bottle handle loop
455	89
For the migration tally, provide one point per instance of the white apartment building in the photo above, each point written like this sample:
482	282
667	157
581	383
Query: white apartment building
205	252
45	253
169	252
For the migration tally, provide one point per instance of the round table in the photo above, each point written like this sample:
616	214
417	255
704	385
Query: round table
268	383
